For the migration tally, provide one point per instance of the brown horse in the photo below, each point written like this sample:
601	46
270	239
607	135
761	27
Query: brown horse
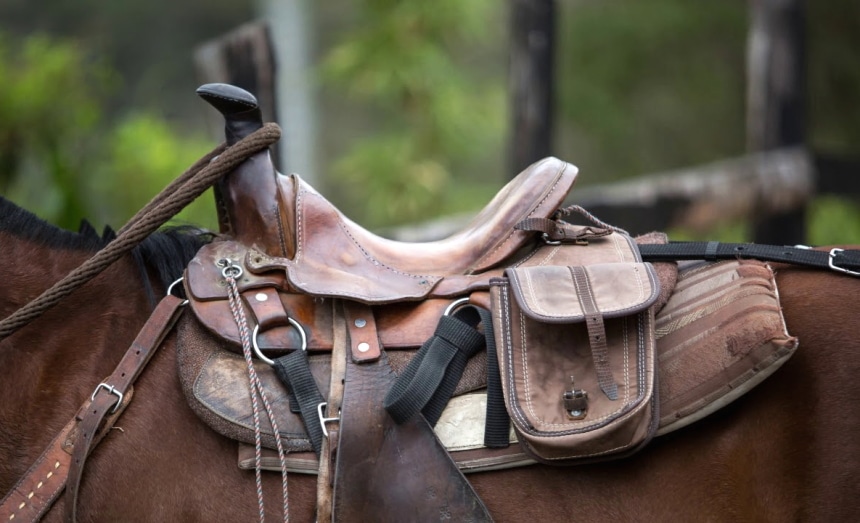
787	451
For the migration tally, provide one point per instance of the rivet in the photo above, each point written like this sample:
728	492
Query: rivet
360	323
363	347
576	413
261	296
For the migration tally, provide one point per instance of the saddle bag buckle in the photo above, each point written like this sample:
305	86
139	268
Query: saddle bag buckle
575	402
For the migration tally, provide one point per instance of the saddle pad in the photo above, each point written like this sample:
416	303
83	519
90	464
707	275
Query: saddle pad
720	334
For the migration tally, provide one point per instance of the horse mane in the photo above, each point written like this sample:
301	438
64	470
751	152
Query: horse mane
164	253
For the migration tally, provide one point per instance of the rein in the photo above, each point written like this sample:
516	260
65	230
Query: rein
172	199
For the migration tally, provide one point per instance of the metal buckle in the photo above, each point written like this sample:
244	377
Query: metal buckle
830	262
111	390
323	419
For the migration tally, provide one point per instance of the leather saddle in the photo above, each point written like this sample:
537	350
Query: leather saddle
313	279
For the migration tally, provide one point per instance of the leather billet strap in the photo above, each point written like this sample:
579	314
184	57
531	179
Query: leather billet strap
42	484
62	462
839	260
107	394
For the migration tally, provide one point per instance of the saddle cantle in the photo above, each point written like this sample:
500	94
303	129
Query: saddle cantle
573	322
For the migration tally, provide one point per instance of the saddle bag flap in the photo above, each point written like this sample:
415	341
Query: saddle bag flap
577	355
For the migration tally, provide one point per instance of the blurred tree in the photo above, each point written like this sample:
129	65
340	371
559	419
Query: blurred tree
49	108
149	44
61	157
434	115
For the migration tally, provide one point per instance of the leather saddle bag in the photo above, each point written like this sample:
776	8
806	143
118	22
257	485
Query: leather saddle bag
576	349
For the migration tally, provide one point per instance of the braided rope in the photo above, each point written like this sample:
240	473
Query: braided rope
191	184
594	219
256	389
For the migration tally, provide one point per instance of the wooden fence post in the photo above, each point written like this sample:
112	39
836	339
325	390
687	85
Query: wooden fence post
532	30
776	76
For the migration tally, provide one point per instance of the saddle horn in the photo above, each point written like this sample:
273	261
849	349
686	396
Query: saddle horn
247	199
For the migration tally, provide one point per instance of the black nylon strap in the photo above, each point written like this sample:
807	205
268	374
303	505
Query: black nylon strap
294	371
429	380
836	259
497	425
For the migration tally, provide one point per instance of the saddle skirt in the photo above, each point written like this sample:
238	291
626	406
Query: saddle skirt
719	334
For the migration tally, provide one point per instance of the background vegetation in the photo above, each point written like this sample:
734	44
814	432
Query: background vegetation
97	110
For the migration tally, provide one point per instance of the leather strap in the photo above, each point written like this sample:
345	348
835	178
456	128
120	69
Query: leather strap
328	456
391	472
107	394
43	483
839	260
56	468
596	332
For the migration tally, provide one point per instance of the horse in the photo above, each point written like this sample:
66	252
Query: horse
785	451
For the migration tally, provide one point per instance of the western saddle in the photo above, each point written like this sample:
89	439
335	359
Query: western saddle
570	340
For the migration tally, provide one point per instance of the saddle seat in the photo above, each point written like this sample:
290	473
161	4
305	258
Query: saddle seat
336	257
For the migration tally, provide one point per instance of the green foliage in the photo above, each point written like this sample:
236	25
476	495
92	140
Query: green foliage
61	158
48	110
435	114
833	221
142	155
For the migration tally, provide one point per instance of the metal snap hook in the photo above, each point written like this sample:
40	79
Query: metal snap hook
259	351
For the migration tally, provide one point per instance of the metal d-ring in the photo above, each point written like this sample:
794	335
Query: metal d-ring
172	285
456	304
546	240
259	352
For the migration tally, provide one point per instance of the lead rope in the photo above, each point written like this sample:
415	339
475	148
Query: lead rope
231	272
191	184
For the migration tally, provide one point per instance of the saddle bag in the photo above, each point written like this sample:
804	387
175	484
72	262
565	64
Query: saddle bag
576	350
